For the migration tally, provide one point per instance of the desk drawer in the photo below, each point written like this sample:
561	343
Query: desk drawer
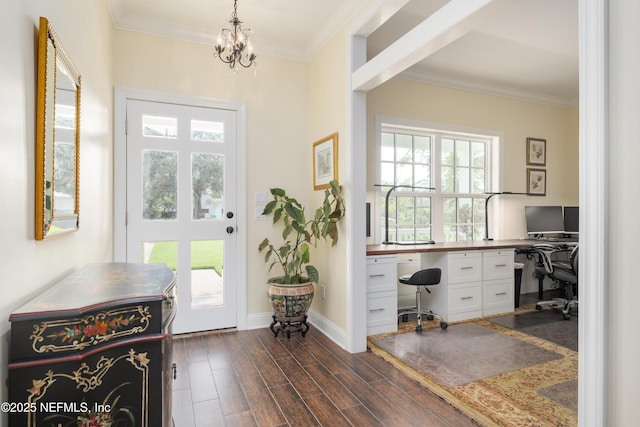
382	313
464	267
498	265
381	274
497	297
465	297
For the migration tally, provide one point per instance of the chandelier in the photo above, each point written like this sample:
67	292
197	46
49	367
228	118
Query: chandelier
233	46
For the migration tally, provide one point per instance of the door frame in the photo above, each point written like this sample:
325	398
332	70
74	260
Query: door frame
121	95
594	181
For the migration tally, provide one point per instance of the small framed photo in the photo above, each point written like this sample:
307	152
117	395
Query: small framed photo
536	182
325	161
536	152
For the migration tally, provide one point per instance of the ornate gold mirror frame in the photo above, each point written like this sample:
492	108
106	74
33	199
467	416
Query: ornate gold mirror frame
57	138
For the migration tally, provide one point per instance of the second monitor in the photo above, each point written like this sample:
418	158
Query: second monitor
571	221
544	219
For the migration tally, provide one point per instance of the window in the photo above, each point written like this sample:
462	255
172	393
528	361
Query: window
440	178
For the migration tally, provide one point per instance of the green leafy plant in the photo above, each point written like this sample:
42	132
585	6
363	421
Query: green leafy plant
299	233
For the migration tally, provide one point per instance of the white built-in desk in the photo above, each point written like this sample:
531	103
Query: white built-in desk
477	280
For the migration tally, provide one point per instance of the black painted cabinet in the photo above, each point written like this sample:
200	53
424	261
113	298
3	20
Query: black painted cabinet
95	349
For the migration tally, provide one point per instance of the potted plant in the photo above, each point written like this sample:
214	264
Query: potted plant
291	293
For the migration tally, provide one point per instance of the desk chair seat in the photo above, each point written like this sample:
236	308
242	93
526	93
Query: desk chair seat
427	277
566	274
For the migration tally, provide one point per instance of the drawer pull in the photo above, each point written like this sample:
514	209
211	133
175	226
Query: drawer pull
466	268
501	293
501	265
376	310
376	275
463	298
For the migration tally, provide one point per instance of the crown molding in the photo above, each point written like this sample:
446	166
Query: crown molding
488	89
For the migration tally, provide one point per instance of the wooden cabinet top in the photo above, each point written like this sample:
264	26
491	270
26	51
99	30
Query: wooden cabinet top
100	285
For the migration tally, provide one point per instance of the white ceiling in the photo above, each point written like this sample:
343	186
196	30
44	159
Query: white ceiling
528	51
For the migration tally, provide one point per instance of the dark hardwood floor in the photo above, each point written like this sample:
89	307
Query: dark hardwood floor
250	378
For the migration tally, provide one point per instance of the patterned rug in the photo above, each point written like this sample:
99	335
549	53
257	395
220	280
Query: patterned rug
514	379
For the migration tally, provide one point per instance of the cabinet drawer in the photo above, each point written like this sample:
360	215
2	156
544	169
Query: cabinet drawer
465	297
382	313
464	267
497	297
498	265
381	274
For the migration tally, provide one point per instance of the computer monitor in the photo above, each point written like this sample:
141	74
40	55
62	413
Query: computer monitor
544	219
571	221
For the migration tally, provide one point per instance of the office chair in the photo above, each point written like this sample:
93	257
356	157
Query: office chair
562	272
427	277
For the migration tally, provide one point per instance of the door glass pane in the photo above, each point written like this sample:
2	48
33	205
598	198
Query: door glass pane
207	131
207	186
159	185
160	252
206	273
159	127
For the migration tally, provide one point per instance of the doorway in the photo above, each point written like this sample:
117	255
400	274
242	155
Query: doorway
181	202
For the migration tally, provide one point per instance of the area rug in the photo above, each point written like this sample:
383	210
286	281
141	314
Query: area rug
494	374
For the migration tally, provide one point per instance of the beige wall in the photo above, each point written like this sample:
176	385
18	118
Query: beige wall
278	147
327	114
516	120
29	266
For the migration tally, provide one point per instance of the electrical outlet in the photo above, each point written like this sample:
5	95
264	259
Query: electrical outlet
323	291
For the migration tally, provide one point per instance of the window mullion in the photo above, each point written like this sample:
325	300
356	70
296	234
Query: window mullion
437	201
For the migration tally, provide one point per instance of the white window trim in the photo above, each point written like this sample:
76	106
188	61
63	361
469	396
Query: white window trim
495	164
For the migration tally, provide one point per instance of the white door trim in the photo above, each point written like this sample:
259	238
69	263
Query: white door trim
121	95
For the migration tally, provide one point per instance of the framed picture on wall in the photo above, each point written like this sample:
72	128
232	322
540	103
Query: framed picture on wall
325	161
536	182
536	151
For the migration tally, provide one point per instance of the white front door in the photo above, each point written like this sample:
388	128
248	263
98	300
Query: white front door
181	205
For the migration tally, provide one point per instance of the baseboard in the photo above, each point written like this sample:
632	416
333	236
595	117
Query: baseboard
324	325
259	320
330	329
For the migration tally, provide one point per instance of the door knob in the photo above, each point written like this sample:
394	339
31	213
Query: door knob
229	215
230	230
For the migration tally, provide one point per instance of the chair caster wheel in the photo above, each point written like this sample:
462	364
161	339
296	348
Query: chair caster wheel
419	328
566	316
538	307
444	325
430	317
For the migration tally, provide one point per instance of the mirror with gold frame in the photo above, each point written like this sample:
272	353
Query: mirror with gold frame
57	138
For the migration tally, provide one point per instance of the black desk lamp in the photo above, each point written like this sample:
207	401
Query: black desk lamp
486	210
386	213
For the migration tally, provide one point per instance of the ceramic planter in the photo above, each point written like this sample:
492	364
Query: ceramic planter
290	303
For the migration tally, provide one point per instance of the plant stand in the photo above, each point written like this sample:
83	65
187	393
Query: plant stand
288	325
